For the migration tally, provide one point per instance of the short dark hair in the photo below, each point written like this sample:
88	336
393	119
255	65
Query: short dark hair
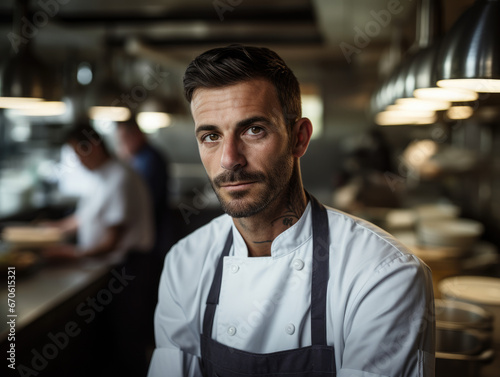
233	64
84	133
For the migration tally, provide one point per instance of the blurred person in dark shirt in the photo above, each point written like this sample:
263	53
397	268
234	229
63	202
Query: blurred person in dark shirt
152	165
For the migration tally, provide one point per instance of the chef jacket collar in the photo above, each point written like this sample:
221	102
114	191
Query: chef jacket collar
286	242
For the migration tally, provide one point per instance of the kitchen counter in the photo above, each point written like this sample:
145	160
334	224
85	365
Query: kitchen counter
64	312
50	286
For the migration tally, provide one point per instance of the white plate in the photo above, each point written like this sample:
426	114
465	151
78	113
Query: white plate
461	233
477	289
436	211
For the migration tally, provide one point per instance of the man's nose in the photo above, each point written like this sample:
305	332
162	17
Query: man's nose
232	156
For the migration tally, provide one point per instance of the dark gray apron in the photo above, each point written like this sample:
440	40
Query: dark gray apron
317	360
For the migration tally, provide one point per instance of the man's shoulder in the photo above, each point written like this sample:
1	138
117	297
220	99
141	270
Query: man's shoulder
365	240
366	255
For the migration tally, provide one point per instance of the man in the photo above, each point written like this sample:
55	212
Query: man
152	167
115	216
279	285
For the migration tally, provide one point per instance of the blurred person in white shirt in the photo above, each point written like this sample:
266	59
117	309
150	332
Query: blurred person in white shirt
115	214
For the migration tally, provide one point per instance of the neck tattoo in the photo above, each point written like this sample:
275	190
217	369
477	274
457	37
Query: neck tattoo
294	209
290	217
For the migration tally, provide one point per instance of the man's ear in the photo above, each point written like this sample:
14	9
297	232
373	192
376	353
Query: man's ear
302	131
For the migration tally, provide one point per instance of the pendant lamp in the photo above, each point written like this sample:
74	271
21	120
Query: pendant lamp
106	98
469	56
153	114
25	79
105	104
420	89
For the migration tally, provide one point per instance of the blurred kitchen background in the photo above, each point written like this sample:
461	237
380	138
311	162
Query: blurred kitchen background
426	169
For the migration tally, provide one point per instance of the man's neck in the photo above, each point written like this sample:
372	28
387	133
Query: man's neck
260	230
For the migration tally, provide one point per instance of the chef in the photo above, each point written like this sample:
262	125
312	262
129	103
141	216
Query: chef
115	216
281	285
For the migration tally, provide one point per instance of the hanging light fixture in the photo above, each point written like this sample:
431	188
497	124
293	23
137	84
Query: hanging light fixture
425	88
460	112
413	85
25	79
40	109
428	14
153	114
421	76
469	57
421	104
400	117
158	112
403	81
104	97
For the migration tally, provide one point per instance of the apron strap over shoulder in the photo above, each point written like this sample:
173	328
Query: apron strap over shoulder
213	295
320	273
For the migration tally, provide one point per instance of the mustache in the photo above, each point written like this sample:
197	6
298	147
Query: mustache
237	176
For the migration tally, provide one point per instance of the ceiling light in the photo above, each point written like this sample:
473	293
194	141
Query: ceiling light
410	112
17	102
394	118
24	77
109	113
422	72
470	53
416	70
41	108
150	121
459	112
420	104
446	94
103	102
478	85
156	112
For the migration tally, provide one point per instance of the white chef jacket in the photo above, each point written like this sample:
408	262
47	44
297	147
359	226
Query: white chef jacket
117	196
380	304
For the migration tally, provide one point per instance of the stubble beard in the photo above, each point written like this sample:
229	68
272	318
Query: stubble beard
241	204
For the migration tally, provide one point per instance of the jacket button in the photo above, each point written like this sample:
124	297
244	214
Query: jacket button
234	268
298	264
231	330
290	329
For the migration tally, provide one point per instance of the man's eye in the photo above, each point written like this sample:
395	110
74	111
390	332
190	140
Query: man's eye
210	138
254	130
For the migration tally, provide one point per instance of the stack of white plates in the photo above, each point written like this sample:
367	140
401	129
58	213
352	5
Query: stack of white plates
436	211
456	234
400	219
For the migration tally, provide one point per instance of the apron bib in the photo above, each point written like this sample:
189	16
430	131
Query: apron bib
316	360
